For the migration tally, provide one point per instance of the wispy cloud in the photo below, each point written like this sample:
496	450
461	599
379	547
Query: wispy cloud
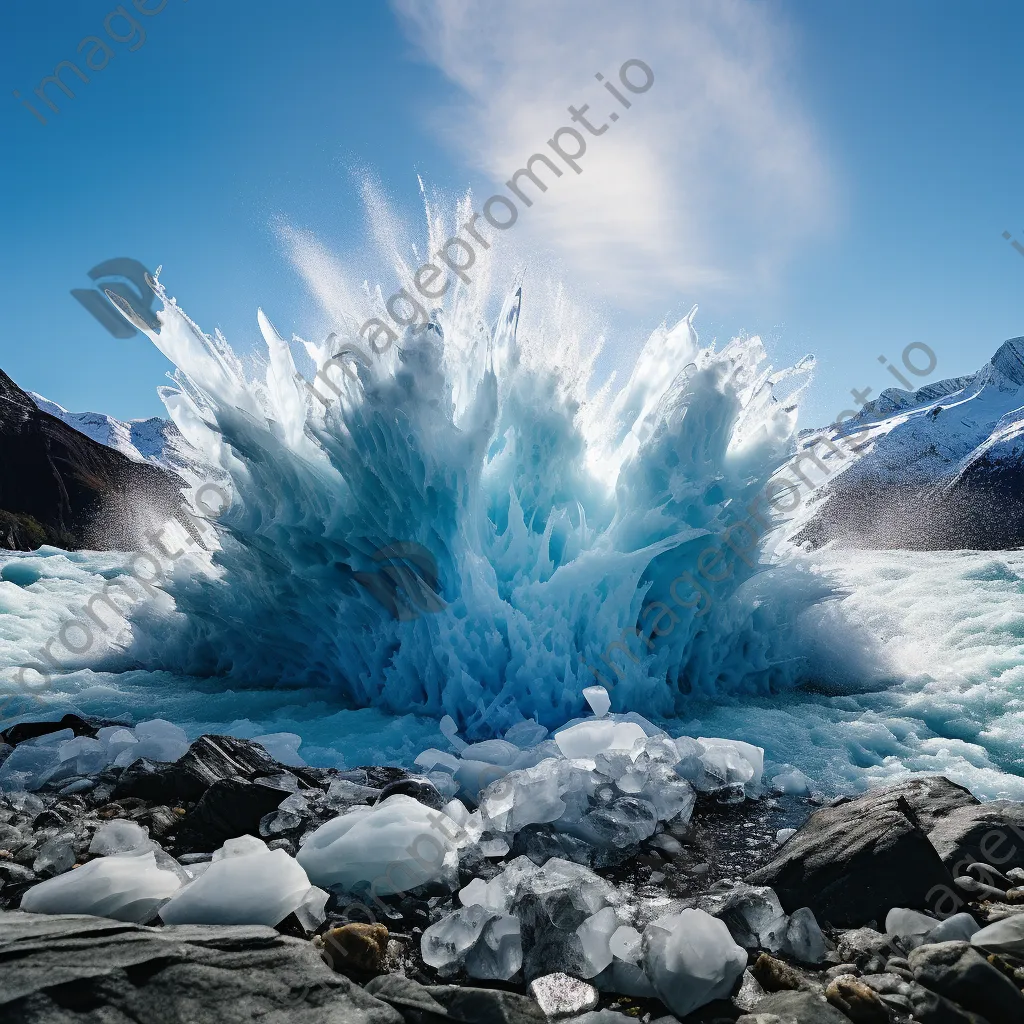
708	182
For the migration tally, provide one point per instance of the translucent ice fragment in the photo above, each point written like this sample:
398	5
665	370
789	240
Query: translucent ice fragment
119	836
125	887
691	959
598	699
244	886
396	845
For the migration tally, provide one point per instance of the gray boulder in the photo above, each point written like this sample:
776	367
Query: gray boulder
960	973
61	968
989	833
852	861
798	1008
433	1004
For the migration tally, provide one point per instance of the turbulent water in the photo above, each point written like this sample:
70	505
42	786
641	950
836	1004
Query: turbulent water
466	526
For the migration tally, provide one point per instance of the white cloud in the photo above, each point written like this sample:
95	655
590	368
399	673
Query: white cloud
707	183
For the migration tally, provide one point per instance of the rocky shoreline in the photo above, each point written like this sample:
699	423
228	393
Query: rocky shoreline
904	904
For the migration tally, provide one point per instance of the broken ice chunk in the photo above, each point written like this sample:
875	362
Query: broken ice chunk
793	783
598	699
734	761
497	752
433	758
311	912
283	747
691	959
160	740
450	731
620	824
625	944
244	886
595	935
752	913
119	836
485	944
396	845
526	734
498	953
125	887
589	738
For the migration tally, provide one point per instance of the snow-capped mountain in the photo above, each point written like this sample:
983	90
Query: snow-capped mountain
941	467
150	440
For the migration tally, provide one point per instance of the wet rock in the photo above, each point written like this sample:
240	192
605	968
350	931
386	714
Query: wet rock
775	975
867	948
227	809
960	973
858	1001
989	875
981	833
1006	937
560	995
419	789
57	967
978	890
431	1004
798	1008
854	860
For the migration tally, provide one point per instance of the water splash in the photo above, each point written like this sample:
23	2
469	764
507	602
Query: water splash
566	527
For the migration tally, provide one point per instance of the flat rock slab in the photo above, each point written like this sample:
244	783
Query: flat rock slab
60	968
438	1004
853	861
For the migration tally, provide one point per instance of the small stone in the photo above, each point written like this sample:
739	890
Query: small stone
989	875
776	976
851	996
978	890
1015	895
561	995
750	993
11	872
1016	875
840	969
356	947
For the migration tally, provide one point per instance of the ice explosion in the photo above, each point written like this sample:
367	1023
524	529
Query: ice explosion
566	529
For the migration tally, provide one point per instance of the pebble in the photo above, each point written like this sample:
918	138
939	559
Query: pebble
977	889
859	1002
356	946
561	995
989	875
777	976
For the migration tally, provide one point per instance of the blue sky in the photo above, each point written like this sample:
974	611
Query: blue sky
833	176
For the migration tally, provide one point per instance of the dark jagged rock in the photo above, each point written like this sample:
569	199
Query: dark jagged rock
58	486
65	968
229	808
797	1007
208	760
960	973
79	726
855	860
422	790
432	1004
